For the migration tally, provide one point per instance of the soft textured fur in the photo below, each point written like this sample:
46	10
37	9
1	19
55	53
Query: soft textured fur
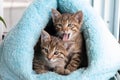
68	27
50	55
16	51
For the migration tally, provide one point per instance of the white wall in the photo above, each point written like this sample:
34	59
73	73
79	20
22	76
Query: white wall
18	0
1	13
13	11
109	10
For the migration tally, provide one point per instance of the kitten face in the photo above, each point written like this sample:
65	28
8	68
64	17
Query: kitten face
67	25
52	49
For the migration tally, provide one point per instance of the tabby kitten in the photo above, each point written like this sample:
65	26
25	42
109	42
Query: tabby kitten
52	56
68	27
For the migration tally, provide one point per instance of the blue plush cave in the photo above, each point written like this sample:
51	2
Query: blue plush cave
17	49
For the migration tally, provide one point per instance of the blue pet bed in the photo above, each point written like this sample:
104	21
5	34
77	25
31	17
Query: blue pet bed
17	49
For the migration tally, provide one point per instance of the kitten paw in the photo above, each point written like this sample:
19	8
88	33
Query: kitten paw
62	71
59	70
67	71
40	71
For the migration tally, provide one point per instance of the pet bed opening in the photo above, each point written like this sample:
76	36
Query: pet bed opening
51	30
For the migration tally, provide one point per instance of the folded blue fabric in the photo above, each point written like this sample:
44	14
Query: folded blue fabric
16	51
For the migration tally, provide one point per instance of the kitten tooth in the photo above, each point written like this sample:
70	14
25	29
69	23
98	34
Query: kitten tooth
68	35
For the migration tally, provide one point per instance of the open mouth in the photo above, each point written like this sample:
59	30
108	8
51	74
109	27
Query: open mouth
65	36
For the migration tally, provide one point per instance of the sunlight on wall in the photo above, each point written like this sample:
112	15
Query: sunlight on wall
13	10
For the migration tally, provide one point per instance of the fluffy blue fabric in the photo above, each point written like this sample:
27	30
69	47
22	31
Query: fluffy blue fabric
16	51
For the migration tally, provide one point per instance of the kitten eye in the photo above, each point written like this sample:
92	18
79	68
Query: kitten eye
59	25
56	53
46	50
70	25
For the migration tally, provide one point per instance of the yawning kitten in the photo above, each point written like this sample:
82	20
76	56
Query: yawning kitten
68	27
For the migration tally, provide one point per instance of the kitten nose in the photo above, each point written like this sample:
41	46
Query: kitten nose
65	30
49	57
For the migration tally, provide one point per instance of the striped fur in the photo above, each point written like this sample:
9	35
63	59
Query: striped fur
52	56
68	27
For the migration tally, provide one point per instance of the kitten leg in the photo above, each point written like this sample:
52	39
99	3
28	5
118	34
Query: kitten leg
74	62
39	67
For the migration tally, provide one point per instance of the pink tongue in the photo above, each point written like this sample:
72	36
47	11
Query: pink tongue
65	37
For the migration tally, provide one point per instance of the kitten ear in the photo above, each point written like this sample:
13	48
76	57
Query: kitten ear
45	36
79	16
55	15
